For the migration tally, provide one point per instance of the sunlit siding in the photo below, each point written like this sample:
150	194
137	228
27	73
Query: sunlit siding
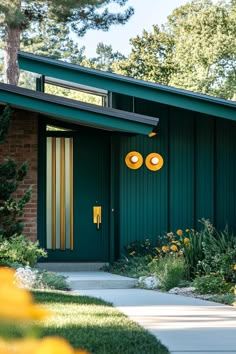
198	179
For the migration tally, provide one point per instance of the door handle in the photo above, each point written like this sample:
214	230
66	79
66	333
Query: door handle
97	216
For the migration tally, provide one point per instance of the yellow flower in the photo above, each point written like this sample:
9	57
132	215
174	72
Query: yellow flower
56	345
165	249
234	267
16	303
174	248
47	345
186	241
179	232
187	230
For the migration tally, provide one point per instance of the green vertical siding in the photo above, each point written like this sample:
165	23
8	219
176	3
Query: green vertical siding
198	178
143	194
204	169
181	169
225	173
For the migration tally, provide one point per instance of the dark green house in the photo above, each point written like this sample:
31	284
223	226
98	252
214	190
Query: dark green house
148	159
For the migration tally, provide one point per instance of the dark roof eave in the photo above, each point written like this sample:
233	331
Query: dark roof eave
25	98
125	85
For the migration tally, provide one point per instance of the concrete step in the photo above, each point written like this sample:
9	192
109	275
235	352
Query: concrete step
98	280
70	266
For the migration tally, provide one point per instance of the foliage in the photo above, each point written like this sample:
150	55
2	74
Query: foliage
19	249
50	280
105	58
46	21
131	266
140	248
95	325
17	311
170	270
4	123
31	278
227	299
195	50
219	250
11	208
211	284
73	94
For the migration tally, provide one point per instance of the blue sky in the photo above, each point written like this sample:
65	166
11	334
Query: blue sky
147	13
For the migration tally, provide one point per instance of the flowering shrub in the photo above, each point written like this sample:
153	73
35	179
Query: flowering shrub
19	249
212	284
173	243
29	278
17	306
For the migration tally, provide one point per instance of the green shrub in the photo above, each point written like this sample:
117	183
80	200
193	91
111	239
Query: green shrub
211	284
170	270
227	299
140	249
19	250
219	250
50	280
130	266
31	278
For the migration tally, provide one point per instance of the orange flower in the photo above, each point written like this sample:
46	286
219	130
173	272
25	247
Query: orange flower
16	303
56	345
179	232
186	241
47	345
174	248
165	249
234	267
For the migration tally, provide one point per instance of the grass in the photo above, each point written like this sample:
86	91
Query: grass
95	325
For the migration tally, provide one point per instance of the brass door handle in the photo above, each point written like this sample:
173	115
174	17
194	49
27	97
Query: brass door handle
97	216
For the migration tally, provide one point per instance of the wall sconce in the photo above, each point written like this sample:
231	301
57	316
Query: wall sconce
134	160
154	161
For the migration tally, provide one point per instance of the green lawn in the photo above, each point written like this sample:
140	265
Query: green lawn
95	325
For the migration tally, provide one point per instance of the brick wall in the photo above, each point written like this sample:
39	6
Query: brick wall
21	145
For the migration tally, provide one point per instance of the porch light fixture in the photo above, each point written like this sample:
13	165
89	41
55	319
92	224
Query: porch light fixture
134	160
154	161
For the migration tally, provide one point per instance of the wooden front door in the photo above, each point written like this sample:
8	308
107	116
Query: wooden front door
77	197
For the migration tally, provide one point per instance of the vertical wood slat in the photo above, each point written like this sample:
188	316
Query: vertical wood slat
53	210
71	197
62	195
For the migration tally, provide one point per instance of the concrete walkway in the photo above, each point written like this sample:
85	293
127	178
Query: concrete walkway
185	325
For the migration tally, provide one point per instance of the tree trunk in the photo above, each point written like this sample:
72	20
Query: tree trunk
11	49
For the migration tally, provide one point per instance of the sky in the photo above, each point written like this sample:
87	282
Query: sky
147	13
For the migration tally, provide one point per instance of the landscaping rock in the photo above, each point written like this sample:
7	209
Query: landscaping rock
149	282
189	291
182	291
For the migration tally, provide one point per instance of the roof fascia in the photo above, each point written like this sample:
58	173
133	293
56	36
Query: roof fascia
127	86
78	114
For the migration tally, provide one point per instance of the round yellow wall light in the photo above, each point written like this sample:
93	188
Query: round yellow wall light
154	161
134	160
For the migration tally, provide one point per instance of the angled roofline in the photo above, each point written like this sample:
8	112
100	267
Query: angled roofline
76	112
128	86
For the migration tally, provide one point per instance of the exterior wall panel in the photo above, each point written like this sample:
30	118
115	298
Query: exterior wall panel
181	169
198	179
205	169
225	172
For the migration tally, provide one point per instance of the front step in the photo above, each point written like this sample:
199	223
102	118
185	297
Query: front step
71	267
98	280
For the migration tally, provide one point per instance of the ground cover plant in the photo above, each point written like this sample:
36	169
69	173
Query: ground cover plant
208	258
94	325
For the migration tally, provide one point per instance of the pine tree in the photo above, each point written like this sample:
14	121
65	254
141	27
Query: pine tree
17	16
11	208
